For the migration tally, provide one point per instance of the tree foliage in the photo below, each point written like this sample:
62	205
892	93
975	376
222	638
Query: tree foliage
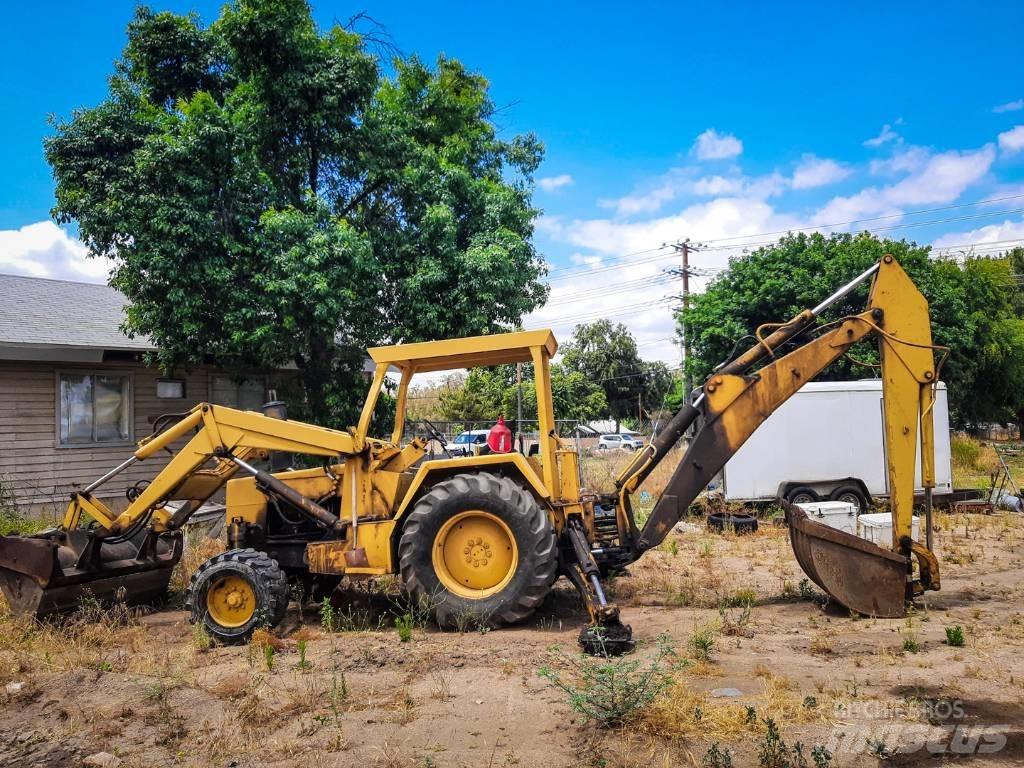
606	354
269	197
975	311
490	392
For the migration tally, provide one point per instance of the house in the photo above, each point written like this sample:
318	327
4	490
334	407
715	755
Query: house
75	393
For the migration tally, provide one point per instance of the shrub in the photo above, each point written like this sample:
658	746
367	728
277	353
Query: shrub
955	636
611	691
702	642
716	757
404	626
327	618
303	662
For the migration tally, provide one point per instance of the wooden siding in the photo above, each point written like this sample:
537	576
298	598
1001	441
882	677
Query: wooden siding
36	470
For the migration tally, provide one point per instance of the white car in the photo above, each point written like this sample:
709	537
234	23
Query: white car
468	443
623	442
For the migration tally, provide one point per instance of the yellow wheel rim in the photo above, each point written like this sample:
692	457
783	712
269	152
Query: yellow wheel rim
231	601
475	554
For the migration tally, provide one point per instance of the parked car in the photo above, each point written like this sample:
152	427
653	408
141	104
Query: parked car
623	442
468	443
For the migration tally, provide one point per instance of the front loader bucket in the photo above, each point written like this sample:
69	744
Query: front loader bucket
51	572
858	574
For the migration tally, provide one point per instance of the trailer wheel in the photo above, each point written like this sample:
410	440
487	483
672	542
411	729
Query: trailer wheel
850	494
477	548
802	495
235	592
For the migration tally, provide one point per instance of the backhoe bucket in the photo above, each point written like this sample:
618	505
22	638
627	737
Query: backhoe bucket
858	574
51	572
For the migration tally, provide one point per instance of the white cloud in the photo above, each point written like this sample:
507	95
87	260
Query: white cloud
904	160
551	183
643	202
45	250
939	178
991	233
712	145
1012	140
944	177
818	172
886	135
635	291
1010	106
713	186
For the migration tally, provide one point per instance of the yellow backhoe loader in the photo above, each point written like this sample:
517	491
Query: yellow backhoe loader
482	535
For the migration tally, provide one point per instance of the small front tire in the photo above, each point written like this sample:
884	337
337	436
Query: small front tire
235	592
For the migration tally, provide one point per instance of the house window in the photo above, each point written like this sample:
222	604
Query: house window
248	395
94	408
170	389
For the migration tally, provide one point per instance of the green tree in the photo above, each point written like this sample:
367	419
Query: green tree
606	354
971	309
269	197
489	392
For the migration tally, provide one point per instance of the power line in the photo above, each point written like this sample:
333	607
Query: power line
873	218
566	272
629	285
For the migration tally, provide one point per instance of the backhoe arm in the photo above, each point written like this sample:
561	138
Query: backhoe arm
734	407
734	404
225	436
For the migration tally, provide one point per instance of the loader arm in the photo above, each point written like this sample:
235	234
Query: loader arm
223	435
132	553
734	404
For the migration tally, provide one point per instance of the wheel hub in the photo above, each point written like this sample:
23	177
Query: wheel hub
231	601
475	554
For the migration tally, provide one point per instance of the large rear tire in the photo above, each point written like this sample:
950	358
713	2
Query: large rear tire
479	550
235	592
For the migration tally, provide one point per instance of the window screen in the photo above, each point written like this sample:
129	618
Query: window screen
94	408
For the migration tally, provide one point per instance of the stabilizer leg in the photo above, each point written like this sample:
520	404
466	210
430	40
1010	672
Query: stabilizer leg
606	635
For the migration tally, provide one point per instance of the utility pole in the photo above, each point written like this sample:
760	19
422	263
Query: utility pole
684	247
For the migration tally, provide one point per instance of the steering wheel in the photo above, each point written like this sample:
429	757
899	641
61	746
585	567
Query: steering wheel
436	434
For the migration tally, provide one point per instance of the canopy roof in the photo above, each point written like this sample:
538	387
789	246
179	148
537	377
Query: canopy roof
471	352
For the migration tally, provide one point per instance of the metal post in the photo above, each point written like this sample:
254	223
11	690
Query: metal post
928	517
519	405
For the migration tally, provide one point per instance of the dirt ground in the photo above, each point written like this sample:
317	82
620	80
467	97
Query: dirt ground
736	611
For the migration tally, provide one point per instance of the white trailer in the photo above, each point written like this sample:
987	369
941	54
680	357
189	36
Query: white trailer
827	442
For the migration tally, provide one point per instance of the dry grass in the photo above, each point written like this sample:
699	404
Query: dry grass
601	469
688	712
198	549
973	461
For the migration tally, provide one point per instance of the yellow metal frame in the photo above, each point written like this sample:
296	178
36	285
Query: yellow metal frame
219	430
537	347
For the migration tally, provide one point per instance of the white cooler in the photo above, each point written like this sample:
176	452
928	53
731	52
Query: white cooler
835	514
877	528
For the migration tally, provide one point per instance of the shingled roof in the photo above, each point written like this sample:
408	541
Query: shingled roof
43	313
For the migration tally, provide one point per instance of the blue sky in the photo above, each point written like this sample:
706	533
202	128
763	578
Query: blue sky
708	121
